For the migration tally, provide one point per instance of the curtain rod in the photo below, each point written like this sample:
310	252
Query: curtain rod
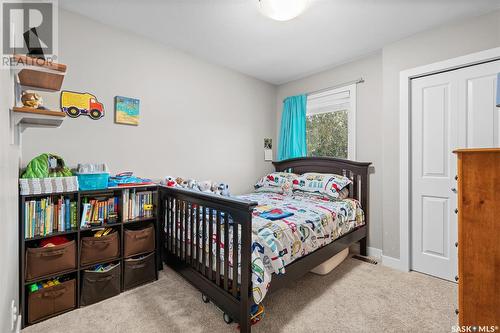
360	80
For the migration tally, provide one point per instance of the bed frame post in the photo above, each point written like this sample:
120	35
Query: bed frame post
161	217
365	192
246	273
362	247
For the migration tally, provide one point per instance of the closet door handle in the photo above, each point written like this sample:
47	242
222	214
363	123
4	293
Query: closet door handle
454	190
456	210
456	278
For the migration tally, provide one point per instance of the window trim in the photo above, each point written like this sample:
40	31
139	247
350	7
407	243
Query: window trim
351	112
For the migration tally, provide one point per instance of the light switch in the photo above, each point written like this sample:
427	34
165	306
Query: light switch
268	154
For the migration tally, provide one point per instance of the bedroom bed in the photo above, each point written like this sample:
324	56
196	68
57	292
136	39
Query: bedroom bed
263	254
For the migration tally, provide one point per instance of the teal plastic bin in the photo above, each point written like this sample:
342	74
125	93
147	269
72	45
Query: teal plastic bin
92	181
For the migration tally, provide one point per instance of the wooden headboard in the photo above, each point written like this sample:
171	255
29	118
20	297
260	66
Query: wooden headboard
356	171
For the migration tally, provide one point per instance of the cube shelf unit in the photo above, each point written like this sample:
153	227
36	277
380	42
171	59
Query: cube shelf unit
77	234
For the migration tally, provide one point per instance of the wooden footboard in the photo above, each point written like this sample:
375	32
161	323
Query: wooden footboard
189	213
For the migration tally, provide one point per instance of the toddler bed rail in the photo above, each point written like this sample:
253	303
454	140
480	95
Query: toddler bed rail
223	275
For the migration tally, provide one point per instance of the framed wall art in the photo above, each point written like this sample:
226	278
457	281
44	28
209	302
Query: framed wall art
126	110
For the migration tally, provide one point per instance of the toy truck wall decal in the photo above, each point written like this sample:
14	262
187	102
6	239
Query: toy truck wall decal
76	104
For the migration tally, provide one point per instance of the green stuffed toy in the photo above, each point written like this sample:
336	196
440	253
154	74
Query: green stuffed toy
46	165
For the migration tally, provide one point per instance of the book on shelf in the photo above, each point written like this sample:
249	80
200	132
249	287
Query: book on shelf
99	211
137	204
45	216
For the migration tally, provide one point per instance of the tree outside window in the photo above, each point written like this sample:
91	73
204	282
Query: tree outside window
327	134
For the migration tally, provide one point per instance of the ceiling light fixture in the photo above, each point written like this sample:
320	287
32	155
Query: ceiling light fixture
282	10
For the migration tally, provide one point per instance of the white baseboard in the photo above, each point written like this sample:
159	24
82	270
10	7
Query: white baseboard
371	251
18	324
393	263
374	252
378	254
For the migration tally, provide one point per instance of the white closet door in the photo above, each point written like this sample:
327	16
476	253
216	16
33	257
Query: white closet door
477	100
435	134
450	110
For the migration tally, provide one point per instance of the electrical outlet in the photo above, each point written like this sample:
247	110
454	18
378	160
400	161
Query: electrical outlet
13	312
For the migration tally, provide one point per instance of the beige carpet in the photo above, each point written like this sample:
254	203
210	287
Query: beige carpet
355	297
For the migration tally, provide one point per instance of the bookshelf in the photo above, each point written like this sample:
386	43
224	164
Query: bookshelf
120	224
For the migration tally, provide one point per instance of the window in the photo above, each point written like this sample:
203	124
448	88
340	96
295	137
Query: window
330	124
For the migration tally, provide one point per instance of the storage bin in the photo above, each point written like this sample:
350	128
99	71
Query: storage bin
42	261
97	286
330	264
138	241
50	301
92	181
139	270
30	186
99	249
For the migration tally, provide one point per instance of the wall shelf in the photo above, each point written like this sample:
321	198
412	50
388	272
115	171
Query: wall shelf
24	109
30	117
38	74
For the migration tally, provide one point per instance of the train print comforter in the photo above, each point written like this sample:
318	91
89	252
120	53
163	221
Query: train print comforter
315	222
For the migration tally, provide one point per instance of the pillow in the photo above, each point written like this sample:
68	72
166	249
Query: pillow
274	189
276	182
343	194
324	183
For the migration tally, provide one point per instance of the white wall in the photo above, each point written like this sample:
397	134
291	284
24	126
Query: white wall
197	120
453	40
378	107
368	124
9	159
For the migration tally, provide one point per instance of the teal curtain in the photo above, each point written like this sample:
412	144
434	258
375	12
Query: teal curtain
292	141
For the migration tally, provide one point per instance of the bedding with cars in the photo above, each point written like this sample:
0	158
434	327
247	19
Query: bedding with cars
288	225
315	222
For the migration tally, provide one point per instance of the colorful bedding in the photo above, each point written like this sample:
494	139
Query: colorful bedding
315	223
310	223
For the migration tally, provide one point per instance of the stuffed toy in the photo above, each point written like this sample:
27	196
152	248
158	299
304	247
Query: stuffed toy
188	183
31	99
214	188
170	182
205	186
192	184
224	190
179	181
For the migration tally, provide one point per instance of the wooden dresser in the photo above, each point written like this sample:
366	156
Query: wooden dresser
479	237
